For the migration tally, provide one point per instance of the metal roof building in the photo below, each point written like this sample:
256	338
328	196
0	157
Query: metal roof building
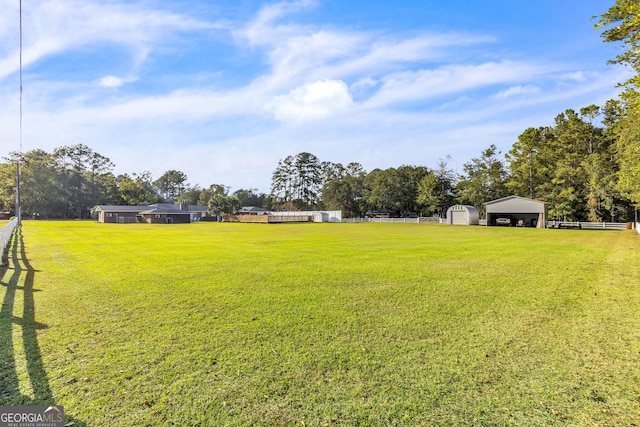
516	211
463	215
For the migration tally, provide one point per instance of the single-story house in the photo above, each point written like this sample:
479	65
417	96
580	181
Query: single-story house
118	214
516	211
5	216
157	213
164	213
463	215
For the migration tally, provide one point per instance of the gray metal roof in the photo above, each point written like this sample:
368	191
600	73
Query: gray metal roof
116	208
462	208
198	208
155	208
515	204
165	209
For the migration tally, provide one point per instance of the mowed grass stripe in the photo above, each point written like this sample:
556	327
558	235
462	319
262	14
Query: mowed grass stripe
337	324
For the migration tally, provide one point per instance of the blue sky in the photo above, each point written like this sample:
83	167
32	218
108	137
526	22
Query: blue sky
222	90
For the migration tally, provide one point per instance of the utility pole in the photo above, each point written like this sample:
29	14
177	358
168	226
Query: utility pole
18	172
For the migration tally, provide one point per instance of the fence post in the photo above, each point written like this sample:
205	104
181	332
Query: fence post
5	257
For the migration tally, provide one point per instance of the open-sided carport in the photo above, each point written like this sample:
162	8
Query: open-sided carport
517	211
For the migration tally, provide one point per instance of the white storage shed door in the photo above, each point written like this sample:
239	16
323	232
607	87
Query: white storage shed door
458	218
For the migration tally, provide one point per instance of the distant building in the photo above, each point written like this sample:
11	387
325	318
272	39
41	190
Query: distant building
260	215
516	211
463	215
157	213
118	214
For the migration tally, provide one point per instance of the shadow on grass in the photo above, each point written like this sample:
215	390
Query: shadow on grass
20	271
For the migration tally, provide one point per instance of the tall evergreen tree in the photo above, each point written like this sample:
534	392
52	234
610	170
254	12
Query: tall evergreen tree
282	181
308	180
436	190
297	181
527	163
484	179
621	24
171	184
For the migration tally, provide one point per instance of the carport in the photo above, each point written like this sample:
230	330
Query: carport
516	211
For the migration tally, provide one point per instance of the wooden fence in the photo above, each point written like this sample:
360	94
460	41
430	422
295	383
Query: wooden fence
264	219
419	220
5	238
273	218
550	224
590	225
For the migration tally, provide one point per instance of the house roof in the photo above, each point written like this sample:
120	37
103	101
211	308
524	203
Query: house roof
514	198
190	208
116	208
162	211
158	208
462	208
198	208
515	204
168	209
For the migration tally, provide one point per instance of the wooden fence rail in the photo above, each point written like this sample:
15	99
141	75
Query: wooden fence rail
5	238
550	224
589	225
420	220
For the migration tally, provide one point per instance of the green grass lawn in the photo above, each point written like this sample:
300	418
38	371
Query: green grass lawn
322	325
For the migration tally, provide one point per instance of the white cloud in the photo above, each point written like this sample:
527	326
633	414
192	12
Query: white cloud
578	76
312	101
262	28
366	82
408	86
113	81
305	55
56	26
381	54
518	91
298	53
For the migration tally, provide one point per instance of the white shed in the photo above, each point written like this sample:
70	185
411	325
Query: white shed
517	211
463	215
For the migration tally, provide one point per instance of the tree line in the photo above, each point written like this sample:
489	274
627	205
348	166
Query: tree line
586	166
575	166
70	180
